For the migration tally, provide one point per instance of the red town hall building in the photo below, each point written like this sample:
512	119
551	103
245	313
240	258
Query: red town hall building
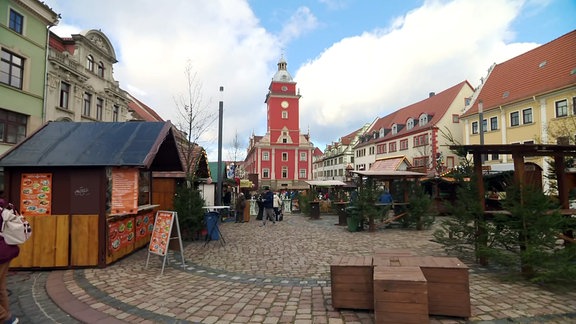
281	159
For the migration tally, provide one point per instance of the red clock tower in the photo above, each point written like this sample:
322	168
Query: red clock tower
283	157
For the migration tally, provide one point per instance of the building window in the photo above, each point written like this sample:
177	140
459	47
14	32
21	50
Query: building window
421	140
421	161
115	113
11	69
403	145
284	114
302	156
561	108
284	172
265	173
381	148
284	156
392	147
87	104
265	156
90	63
484	125
514	118
494	157
371	150
574	105
302	173
493	123
64	94
474	127
101	69
455	119
99	108
423	120
16	21
12	126
527	116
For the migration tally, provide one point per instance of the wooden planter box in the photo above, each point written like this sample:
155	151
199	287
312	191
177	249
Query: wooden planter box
352	282
448	282
400	295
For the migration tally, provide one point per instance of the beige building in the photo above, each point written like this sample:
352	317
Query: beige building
332	163
529	99
81	85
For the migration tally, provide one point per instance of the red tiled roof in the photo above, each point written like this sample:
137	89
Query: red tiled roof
435	106
142	110
547	68
347	139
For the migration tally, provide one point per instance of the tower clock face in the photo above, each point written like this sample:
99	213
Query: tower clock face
284	104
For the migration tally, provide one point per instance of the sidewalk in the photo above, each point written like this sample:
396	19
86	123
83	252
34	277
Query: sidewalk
273	274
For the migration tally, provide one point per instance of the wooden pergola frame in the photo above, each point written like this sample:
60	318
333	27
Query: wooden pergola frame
519	152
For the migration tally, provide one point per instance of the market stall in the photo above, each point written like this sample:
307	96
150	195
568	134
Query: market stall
86	189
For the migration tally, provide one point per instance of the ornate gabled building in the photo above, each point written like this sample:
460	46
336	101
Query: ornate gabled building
282	158
332	164
81	85
419	132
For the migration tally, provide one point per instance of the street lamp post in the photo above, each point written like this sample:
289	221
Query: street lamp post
220	173
481	120
481	124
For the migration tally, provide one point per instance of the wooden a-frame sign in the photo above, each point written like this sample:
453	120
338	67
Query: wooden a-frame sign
166	229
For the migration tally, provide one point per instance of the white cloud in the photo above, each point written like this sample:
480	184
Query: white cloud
352	82
428	50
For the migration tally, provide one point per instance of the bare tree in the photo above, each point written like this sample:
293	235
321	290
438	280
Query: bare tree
195	119
235	154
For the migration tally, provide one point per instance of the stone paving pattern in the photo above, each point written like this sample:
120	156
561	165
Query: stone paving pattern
279	273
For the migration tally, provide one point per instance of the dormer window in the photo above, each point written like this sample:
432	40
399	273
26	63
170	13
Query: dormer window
394	129
375	135
410	123
423	120
382	132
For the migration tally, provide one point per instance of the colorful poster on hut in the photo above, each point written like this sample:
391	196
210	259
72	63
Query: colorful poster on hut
161	232
124	191
121	233
144	225
36	194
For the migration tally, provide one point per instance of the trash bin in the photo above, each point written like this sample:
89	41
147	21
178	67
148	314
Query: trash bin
352	218
211	219
315	209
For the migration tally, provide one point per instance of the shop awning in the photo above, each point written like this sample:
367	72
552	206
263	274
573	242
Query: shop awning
326	183
390	164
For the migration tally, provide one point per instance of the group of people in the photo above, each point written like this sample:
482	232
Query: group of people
7	253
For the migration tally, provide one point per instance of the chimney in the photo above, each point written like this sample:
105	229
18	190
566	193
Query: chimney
431	94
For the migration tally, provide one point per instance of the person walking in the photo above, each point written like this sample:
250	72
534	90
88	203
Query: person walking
7	253
277	206
240	205
268	204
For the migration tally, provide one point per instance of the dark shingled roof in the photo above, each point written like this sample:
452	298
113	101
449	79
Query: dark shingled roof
138	144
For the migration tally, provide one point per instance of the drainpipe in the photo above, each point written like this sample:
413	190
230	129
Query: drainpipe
46	74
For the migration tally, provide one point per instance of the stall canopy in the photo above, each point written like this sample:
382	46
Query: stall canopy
390	174
325	183
148	145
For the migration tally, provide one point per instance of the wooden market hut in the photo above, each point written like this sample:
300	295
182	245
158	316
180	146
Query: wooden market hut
86	189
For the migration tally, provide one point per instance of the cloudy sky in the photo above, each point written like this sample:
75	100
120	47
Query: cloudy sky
353	60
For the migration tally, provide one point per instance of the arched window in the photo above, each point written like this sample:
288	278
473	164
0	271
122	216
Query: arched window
90	63
394	129
382	132
101	69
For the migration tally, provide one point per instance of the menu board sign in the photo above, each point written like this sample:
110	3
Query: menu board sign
124	191
36	194
161	232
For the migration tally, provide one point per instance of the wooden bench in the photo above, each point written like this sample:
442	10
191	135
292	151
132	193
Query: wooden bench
352	282
447	279
400	295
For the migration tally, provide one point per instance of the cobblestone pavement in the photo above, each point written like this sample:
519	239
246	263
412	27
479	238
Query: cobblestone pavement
278	273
